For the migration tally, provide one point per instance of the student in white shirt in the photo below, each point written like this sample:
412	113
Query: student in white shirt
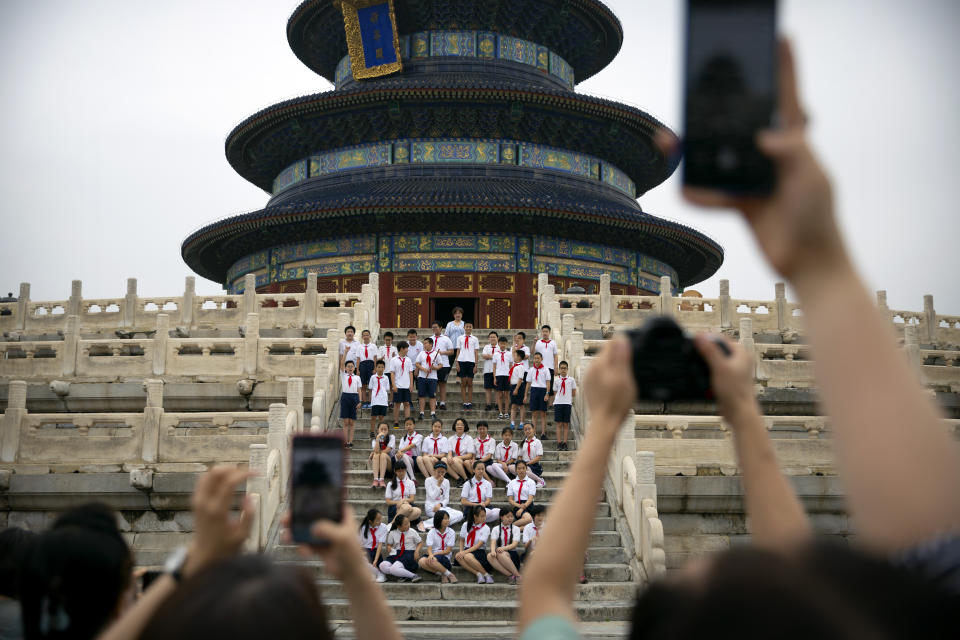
532	531
381	455
405	545
489	380
440	543
460	452
427	365
478	492
379	388
346	347
387	352
433	449
349	402
505	457
538	379
408	448
467	346
414	344
519	344
401	494
445	346
504	540
483	448
518	386
373	535
565	389
366	362
473	547
502	362
402	368
547	349
437	489
531	452
520	494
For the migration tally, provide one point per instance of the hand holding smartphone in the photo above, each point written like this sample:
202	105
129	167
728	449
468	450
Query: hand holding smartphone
316	484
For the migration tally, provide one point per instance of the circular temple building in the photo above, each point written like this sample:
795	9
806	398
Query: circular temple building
458	177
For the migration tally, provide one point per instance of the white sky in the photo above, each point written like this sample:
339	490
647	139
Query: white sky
114	114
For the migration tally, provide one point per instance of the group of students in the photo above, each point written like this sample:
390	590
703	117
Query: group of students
375	377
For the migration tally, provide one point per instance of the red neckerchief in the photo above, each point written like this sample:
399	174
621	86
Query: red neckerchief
402	490
520	489
349	381
373	534
537	369
506	452
403	542
366	352
479	499
435	449
443	542
503	358
529	442
473	534
383	444
459	438
482	444
504	536
563	385
428	359
512	367
537	530
379	378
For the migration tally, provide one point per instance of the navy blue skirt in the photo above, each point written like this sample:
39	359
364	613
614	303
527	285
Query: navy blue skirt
406	559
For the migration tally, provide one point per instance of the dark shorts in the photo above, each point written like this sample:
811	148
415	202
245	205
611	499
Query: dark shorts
514	510
488	381
503	383
466	369
442	374
401	395
426	388
481	556
391	512
406	559
366	371
378	410
538	399
536	468
551	382
371	553
348	406
515	557
561	412
516	396
444	562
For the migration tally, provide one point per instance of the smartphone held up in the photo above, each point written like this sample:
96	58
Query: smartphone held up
316	483
730	94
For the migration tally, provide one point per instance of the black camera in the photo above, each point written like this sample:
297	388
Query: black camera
666	363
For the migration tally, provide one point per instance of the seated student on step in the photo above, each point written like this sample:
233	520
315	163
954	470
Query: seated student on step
472	555
349	402
373	535
366	363
408	448
441	540
531	452
484	447
504	540
401	494
520	494
532	531
565	389
405	545
433	449
381	454
518	387
538	380
460	452
437	489
478	492
504	457
427	364
489	380
379	388
402	368
467	346
502	362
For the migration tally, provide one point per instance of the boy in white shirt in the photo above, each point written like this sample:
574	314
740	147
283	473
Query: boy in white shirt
502	361
479	493
445	346
547	349
379	389
538	379
519	344
427	364
366	361
518	386
346	346
531	452
414	345
349	401
489	383
402	368
505	457
565	388
387	352
467	347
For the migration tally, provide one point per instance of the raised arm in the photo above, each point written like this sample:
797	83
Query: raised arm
900	468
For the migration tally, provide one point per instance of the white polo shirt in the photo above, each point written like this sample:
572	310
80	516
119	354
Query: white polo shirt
387	354
517	372
401	368
434	446
485	447
530	449
406	489
437	493
547	350
467	346
563	388
391	444
416	348
521	492
480	533
442	544
368	351
350	383
502	360
443	343
466	444
469	491
411	540
422	361
503	536
504	453
381	397
488	363
531	532
538	377
407	440
374	537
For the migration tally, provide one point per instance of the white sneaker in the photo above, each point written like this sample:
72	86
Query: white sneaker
480	579
381	578
541	484
489	578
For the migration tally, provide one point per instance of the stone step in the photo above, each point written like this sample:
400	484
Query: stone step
552	467
602	510
468	591
361	475
362	453
595	554
442	611
418	630
366	492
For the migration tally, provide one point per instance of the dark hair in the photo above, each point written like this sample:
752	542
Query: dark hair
507	511
562	362
505	429
455	309
482	423
435	324
503	339
823	591
474	510
388	334
426	340
412	331
14	546
546	326
435	421
349	327
536	509
522	354
493	333
521	461
368	521
397	521
365	331
521	334
466	425
402	345
438	518
379	362
349	362
409	419
537	353
75	575
244	597
394	480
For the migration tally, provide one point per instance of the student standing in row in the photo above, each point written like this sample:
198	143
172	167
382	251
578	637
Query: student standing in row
504	540
444	345
349	402
467	346
536	394
401	495
437	489
460	452
373	535
379	388
440	542
505	457
347	343
473	541
565	389
502	361
387	352
518	386
479	493
547	348
427	367
519	344
402	368
433	449
520	494
408	449
413	344
405	545
489	379
366	354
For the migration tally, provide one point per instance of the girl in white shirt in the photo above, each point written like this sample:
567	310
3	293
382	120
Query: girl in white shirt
531	452
400	495
504	540
381	455
440	542
373	535
483	448
408	449
349	401
504	457
520	494
531	532
433	449
437	489
473	547
460	452
405	545
479	493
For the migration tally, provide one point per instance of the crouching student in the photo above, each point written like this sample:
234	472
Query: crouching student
504	541
440	542
473	542
505	457
381	456
379	388
405	546
479	493
437	489
408	449
373	535
349	402
400	495
520	494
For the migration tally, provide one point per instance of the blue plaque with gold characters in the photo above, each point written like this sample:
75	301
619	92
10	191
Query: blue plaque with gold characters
372	39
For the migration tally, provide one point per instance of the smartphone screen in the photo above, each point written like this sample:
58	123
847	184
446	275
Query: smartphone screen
730	93
316	483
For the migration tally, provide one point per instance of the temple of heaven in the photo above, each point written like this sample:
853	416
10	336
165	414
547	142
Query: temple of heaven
455	158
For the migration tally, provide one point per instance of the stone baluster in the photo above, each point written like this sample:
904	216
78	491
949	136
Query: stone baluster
606	301
374	281
250	294
667	306
160	341
71	340
726	312
333	342
310	301
929	320
257	494
321	382
295	399
911	344
74	304
746	340
152	417
576	350
277	440
542	281
566	330
360	320
130	304
23	302
882	304
251	339
783	317
343	321
188	302
12	419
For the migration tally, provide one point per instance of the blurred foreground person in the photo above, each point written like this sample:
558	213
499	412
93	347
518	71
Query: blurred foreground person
14	546
900	468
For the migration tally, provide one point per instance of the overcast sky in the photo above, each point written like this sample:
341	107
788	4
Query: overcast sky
114	114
